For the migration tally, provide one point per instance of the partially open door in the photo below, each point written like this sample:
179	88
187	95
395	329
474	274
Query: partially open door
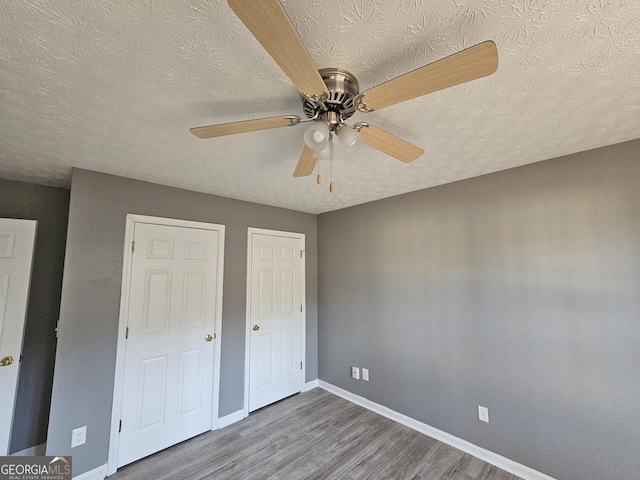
17	239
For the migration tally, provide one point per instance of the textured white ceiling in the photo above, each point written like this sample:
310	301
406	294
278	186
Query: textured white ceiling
114	86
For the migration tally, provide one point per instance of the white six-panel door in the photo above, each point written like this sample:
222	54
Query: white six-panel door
276	300
17	239
169	360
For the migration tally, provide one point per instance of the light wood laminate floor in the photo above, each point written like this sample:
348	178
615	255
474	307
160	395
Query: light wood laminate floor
312	435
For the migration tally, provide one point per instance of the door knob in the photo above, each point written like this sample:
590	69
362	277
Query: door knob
6	361
208	338
256	328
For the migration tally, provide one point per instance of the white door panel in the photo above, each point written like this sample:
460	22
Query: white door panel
17	239
168	379
276	298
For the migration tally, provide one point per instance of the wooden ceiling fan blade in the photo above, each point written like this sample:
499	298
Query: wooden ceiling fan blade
245	126
306	164
269	23
470	64
390	144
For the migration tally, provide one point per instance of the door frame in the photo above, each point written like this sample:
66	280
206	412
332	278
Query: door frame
118	388
303	320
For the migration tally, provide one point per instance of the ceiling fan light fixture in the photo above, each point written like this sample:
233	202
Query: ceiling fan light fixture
350	139
317	136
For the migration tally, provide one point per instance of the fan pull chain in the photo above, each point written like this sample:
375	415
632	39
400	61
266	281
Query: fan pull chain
318	178
331	163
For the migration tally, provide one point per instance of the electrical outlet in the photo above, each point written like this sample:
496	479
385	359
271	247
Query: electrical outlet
78	436
355	373
483	413
365	374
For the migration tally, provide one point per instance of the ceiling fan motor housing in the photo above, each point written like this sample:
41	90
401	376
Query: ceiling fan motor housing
342	87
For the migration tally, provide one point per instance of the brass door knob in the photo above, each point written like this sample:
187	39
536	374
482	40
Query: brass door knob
256	328
208	338
6	361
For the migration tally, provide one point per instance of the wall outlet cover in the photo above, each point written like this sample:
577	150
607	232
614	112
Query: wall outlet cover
365	374
483	413
78	436
355	373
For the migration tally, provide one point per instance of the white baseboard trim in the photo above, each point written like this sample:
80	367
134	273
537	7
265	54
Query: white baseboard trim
499	461
231	418
310	385
99	473
36	451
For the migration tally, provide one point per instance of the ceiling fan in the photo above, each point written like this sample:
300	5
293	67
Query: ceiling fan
331	95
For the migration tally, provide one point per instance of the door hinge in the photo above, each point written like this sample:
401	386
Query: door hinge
126	335
214	336
120	427
301	252
133	246
300	308
300	365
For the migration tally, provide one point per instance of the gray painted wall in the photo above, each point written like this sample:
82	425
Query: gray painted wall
518	291
50	207
85	359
